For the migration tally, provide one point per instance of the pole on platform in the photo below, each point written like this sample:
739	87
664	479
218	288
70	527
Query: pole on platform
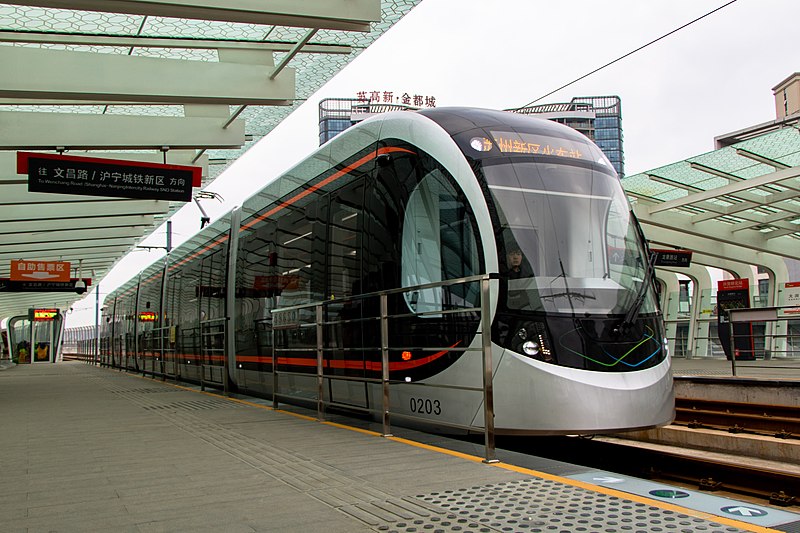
488	390
96	348
387	431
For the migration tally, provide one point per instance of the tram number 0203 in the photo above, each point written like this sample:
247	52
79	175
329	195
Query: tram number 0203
425	406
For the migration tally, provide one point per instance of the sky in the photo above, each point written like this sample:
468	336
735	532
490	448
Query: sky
712	77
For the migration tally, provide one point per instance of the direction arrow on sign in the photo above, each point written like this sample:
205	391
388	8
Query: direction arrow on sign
608	479
744	511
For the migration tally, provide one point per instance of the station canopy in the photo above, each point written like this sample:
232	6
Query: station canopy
186	82
740	202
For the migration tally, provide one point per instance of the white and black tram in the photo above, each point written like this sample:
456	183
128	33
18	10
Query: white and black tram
405	199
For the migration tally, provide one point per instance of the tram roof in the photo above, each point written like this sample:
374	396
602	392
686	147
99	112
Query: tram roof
196	82
740	202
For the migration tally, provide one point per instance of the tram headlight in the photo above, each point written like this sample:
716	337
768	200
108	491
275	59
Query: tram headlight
522	333
530	348
480	144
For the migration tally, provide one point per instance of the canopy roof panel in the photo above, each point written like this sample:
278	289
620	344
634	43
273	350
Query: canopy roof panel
218	75
745	195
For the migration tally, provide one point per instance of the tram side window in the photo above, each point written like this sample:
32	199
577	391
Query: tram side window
438	244
385	200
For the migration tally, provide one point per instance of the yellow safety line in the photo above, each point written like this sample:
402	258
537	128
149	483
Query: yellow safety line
521	470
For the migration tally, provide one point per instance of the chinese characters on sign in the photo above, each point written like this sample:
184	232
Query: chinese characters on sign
673	258
791	297
9	285
525	143
389	97
39	270
734	294
90	176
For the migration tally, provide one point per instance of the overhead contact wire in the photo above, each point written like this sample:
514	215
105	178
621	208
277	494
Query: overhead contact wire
598	69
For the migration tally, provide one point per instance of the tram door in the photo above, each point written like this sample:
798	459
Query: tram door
211	298
343	349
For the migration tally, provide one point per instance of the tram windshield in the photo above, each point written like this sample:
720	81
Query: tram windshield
568	241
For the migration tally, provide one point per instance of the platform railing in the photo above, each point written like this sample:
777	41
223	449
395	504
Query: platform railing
212	348
306	324
162	358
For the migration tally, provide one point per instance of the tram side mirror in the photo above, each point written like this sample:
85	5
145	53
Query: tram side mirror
80	286
384	160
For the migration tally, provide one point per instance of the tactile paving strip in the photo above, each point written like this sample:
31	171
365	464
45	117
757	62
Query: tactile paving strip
544	506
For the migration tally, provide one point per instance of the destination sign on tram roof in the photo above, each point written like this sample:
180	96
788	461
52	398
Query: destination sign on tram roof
530	143
92	176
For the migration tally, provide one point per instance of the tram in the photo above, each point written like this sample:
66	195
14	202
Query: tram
410	199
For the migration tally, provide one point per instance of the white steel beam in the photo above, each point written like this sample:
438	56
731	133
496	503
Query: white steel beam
708	247
777	165
63	75
348	15
780	200
23	130
23	250
82	209
97	235
56	225
134	41
785	178
712	231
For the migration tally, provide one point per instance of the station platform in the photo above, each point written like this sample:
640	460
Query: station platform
771	369
84	448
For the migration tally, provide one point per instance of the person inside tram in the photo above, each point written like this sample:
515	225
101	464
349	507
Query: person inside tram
516	265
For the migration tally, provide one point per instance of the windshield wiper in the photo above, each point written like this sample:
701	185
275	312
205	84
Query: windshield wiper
638	302
569	294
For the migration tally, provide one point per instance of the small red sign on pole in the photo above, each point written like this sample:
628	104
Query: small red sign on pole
40	315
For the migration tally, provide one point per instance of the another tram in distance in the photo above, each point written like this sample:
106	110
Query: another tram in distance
411	198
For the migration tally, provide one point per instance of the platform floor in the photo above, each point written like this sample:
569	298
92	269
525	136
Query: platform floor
84	448
777	369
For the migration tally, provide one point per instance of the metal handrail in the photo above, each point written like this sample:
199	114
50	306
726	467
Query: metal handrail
205	332
319	325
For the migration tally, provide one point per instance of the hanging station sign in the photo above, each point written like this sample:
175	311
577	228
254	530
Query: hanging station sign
92	176
673	258
10	285
22	270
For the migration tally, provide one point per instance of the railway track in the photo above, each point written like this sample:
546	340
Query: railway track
773	485
772	420
683	467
